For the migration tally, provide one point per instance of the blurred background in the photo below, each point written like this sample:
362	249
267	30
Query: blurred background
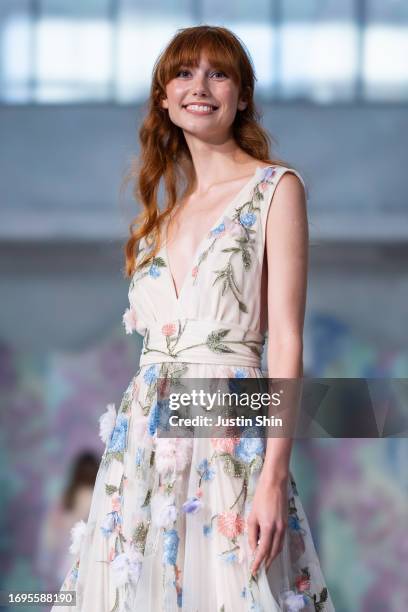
333	90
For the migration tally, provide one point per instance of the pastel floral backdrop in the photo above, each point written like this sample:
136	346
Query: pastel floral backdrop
354	490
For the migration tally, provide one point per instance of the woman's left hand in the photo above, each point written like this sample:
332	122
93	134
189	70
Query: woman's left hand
267	521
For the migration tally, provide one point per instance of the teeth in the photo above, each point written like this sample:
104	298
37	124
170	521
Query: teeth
199	107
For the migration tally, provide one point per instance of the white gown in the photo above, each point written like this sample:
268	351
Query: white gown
167	526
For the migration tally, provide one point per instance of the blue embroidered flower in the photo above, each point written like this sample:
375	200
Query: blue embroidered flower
192	505
117	441
229	556
256	607
139	456
247	219
154	271
164	414
207	530
154	419
293	523
240	373
180	598
249	447
219	229
205	470
170	546
111	520
267	173
150	375
244	592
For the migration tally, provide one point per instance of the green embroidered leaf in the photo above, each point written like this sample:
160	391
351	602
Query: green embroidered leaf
147	498
152	458
233	466
246	258
117	455
116	604
221	348
242	306
230	250
110	489
159	261
139	536
255	349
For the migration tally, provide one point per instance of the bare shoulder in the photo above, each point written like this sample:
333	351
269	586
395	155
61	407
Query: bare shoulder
290	188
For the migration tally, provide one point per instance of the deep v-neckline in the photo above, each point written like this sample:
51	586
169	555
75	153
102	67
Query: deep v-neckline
201	242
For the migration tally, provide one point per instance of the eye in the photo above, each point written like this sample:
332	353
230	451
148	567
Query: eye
219	72
182	72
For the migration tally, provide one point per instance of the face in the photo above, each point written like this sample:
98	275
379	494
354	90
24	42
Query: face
202	100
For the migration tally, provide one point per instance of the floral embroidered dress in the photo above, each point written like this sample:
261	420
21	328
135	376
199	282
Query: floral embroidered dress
167	528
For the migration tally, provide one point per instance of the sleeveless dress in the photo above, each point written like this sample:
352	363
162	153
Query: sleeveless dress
167	525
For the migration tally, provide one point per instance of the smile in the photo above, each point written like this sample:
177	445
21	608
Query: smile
200	109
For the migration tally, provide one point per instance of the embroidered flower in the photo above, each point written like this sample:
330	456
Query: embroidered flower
116	502
234	228
139	456
199	492
294	523
207	530
194	271
219	230
172	454
263	186
302	583
192	505
240	373
150	375
205	470
228	556
117	441
127	567
249	447
130	320
111	521
247	219
154	271
154	419
267	173
163	510
78	532
169	329
107	423
170	546
224	445
230	524
293	601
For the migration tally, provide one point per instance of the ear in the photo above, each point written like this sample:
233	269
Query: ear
164	103
242	104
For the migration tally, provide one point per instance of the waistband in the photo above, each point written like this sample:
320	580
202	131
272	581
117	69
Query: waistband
202	341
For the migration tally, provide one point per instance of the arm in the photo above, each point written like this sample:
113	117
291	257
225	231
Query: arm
287	260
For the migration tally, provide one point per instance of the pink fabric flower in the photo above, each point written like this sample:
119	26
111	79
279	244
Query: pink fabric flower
302	583
230	524
130	320
199	493
224	445
263	186
194	271
169	329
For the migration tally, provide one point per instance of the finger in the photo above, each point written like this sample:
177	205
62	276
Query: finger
277	545
263	549
253	531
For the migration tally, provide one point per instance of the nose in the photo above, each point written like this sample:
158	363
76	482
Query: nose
199	85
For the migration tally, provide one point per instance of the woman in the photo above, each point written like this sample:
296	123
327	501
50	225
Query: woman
207	524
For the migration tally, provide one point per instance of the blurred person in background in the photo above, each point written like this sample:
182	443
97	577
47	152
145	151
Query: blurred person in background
54	558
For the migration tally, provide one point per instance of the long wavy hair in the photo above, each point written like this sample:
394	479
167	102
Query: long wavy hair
164	154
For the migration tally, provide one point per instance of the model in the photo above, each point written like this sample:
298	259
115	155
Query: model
204	524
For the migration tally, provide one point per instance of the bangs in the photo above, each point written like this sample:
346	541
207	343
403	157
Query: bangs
187	47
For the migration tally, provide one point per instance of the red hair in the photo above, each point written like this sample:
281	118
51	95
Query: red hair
164	151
